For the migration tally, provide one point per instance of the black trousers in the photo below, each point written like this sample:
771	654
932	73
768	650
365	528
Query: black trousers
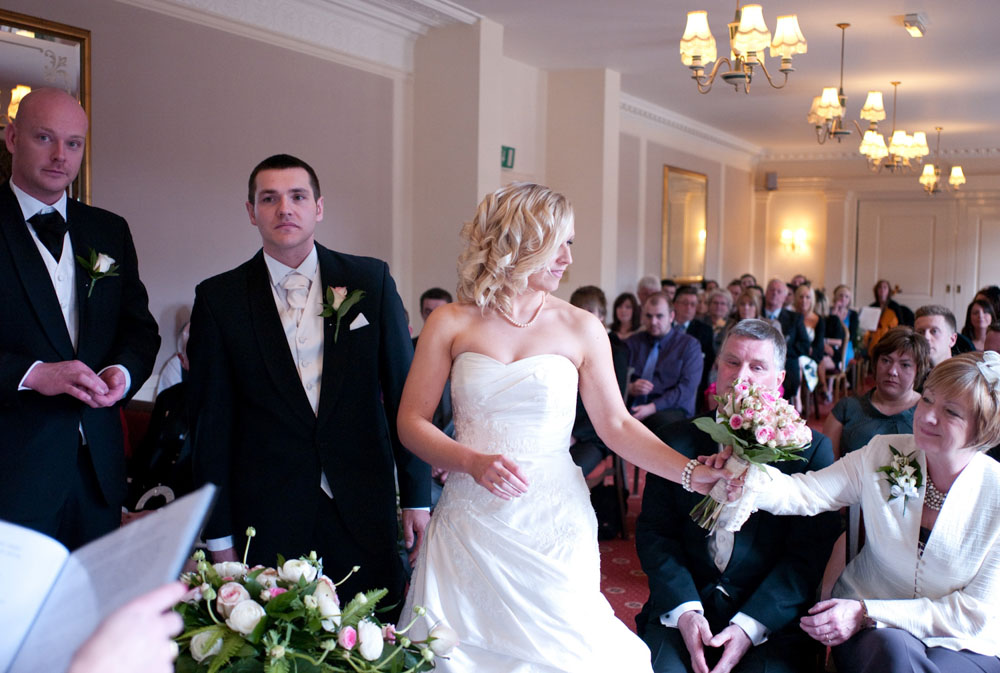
84	515
898	651
341	552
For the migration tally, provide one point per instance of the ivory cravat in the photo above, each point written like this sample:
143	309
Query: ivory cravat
296	288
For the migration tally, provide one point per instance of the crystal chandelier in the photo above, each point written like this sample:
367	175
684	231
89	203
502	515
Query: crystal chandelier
828	109
748	38
930	179
902	149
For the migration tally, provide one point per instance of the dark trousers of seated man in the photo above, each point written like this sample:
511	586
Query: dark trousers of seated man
789	650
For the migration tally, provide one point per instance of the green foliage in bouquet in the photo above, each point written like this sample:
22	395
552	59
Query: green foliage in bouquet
288	619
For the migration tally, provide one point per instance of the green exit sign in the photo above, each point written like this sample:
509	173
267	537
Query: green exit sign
506	157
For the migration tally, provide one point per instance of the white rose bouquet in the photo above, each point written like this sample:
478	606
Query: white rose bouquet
761	427
266	620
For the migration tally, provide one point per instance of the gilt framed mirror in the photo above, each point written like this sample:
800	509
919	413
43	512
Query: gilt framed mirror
685	207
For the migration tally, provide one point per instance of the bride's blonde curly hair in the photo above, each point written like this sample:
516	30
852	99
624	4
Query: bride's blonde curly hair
515	232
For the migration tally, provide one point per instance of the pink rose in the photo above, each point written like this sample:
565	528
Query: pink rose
230	595
389	633
736	422
339	295
763	435
347	637
276	591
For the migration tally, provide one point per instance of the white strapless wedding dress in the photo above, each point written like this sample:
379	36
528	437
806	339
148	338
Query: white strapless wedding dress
519	580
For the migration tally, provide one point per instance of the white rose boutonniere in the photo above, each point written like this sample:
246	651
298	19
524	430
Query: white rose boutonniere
97	267
903	476
337	302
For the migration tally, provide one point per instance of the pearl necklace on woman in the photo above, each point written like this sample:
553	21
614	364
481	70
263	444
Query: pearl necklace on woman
516	323
933	498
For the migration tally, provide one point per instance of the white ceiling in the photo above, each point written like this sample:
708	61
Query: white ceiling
949	77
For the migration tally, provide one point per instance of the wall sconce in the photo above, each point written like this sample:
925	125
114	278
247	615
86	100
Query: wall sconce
794	241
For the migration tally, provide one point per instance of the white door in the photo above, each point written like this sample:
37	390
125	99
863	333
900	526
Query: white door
912	244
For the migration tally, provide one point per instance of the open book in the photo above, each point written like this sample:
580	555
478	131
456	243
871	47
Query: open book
53	600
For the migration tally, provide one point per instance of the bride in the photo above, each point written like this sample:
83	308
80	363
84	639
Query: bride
510	558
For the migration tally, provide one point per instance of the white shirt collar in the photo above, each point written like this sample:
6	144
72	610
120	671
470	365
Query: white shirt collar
278	271
30	206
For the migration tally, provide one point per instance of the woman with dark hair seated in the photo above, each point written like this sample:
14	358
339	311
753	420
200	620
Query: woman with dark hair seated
901	362
981	327
924	593
625	316
893	313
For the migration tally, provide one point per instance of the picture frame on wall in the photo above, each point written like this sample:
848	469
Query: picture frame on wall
34	53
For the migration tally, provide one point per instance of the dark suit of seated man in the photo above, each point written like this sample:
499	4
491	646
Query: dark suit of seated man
666	364
685	309
741	592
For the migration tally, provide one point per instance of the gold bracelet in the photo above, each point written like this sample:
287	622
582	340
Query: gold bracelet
866	621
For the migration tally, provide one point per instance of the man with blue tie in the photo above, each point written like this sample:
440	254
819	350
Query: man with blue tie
667	364
76	336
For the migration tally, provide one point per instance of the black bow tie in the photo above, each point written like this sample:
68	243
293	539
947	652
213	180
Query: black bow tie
51	229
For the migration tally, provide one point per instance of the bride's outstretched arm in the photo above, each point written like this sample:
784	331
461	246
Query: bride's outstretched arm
625	435
421	394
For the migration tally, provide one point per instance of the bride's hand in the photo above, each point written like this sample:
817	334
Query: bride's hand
704	477
499	475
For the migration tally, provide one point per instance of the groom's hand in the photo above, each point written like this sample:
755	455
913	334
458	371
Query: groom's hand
414	525
696	633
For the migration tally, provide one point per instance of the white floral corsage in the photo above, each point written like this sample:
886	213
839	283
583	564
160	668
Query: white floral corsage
97	267
903	476
338	302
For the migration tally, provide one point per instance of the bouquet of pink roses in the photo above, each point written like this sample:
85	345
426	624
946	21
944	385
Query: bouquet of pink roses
761	427
289	618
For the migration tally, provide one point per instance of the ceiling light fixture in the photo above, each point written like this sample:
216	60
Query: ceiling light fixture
915	24
902	149
828	109
748	38
931	177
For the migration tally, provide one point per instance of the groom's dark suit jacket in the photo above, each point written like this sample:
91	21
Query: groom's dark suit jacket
39	435
255	433
777	561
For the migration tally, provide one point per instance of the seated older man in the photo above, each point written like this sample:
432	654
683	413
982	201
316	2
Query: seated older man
731	601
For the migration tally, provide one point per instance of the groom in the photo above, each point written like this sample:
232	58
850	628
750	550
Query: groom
734	599
294	414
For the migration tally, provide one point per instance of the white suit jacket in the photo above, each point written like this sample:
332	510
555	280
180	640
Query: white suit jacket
948	597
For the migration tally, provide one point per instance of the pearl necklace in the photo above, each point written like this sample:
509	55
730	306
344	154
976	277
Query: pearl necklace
933	498
516	323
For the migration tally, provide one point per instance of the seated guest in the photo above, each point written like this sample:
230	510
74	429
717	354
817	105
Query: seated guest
586	447
901	363
669	288
625	312
647	285
937	324
922	594
991	293
720	305
748	280
981	327
731	601
667	364
708	285
734	287
792	327
893	313
175	369
685	306
842	331
805	305
429	301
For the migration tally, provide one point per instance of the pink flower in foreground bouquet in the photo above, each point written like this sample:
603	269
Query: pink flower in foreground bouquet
761	427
